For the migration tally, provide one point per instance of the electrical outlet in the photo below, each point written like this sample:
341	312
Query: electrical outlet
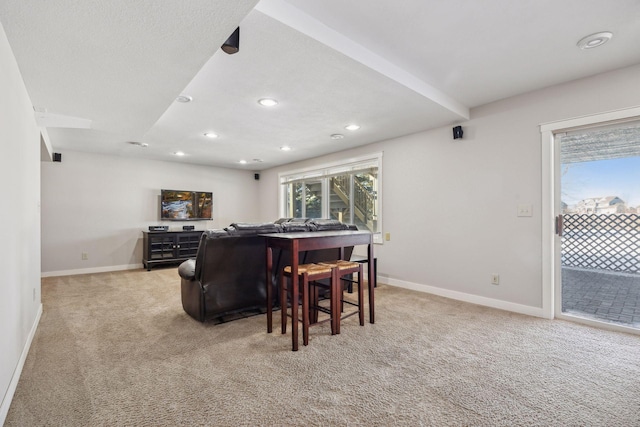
85	256
495	279
387	236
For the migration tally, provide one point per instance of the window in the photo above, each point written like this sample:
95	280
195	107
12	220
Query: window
348	192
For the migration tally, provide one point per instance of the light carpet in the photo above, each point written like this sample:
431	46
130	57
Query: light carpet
117	349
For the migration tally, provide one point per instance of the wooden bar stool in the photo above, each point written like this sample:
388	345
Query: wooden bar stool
345	271
365	260
308	273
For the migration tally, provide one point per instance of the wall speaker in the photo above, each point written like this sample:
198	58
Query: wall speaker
256	176
457	132
57	157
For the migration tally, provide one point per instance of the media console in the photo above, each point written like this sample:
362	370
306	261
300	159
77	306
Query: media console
169	247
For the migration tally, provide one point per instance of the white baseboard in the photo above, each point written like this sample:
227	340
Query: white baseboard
461	296
91	270
8	397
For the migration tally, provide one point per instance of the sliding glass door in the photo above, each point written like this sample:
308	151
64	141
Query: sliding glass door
600	249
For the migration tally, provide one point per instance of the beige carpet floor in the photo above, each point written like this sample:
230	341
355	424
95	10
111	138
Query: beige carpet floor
116	349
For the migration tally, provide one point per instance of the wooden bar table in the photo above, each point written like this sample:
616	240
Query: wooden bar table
297	242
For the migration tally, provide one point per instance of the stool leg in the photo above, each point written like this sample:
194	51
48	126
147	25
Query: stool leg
283	303
336	297
342	293
315	298
360	297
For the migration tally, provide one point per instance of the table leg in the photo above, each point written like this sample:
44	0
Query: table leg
360	295
336	296
370	282
305	308
269	290
294	295
294	312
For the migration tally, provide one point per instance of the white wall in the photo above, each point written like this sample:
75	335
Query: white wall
450	206
100	204
20	218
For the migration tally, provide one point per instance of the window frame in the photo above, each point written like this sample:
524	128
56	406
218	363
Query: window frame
323	172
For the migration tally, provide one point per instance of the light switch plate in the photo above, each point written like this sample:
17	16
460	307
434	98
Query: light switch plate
525	210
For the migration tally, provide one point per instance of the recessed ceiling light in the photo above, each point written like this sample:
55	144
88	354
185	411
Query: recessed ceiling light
285	148
267	102
179	153
243	162
184	99
139	144
337	136
595	40
211	135
352	127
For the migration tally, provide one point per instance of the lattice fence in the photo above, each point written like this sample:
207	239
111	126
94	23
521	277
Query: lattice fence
607	242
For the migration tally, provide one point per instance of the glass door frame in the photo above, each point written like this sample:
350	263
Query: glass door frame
551	208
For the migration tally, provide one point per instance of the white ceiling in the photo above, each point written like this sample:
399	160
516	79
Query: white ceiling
101	74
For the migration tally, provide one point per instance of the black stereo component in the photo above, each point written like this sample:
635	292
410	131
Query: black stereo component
158	228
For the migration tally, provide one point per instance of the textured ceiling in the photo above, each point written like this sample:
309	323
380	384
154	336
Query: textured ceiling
319	91
483	51
101	74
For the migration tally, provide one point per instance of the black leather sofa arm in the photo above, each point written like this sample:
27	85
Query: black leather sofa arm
187	269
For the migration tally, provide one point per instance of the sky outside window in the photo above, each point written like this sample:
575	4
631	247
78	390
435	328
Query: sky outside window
601	178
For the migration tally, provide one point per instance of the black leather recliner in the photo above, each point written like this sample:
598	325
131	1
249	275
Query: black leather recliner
228	275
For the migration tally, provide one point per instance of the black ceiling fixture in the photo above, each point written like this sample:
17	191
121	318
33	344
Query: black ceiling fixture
232	45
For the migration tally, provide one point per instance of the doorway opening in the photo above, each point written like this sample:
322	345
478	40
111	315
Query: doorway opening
600	236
